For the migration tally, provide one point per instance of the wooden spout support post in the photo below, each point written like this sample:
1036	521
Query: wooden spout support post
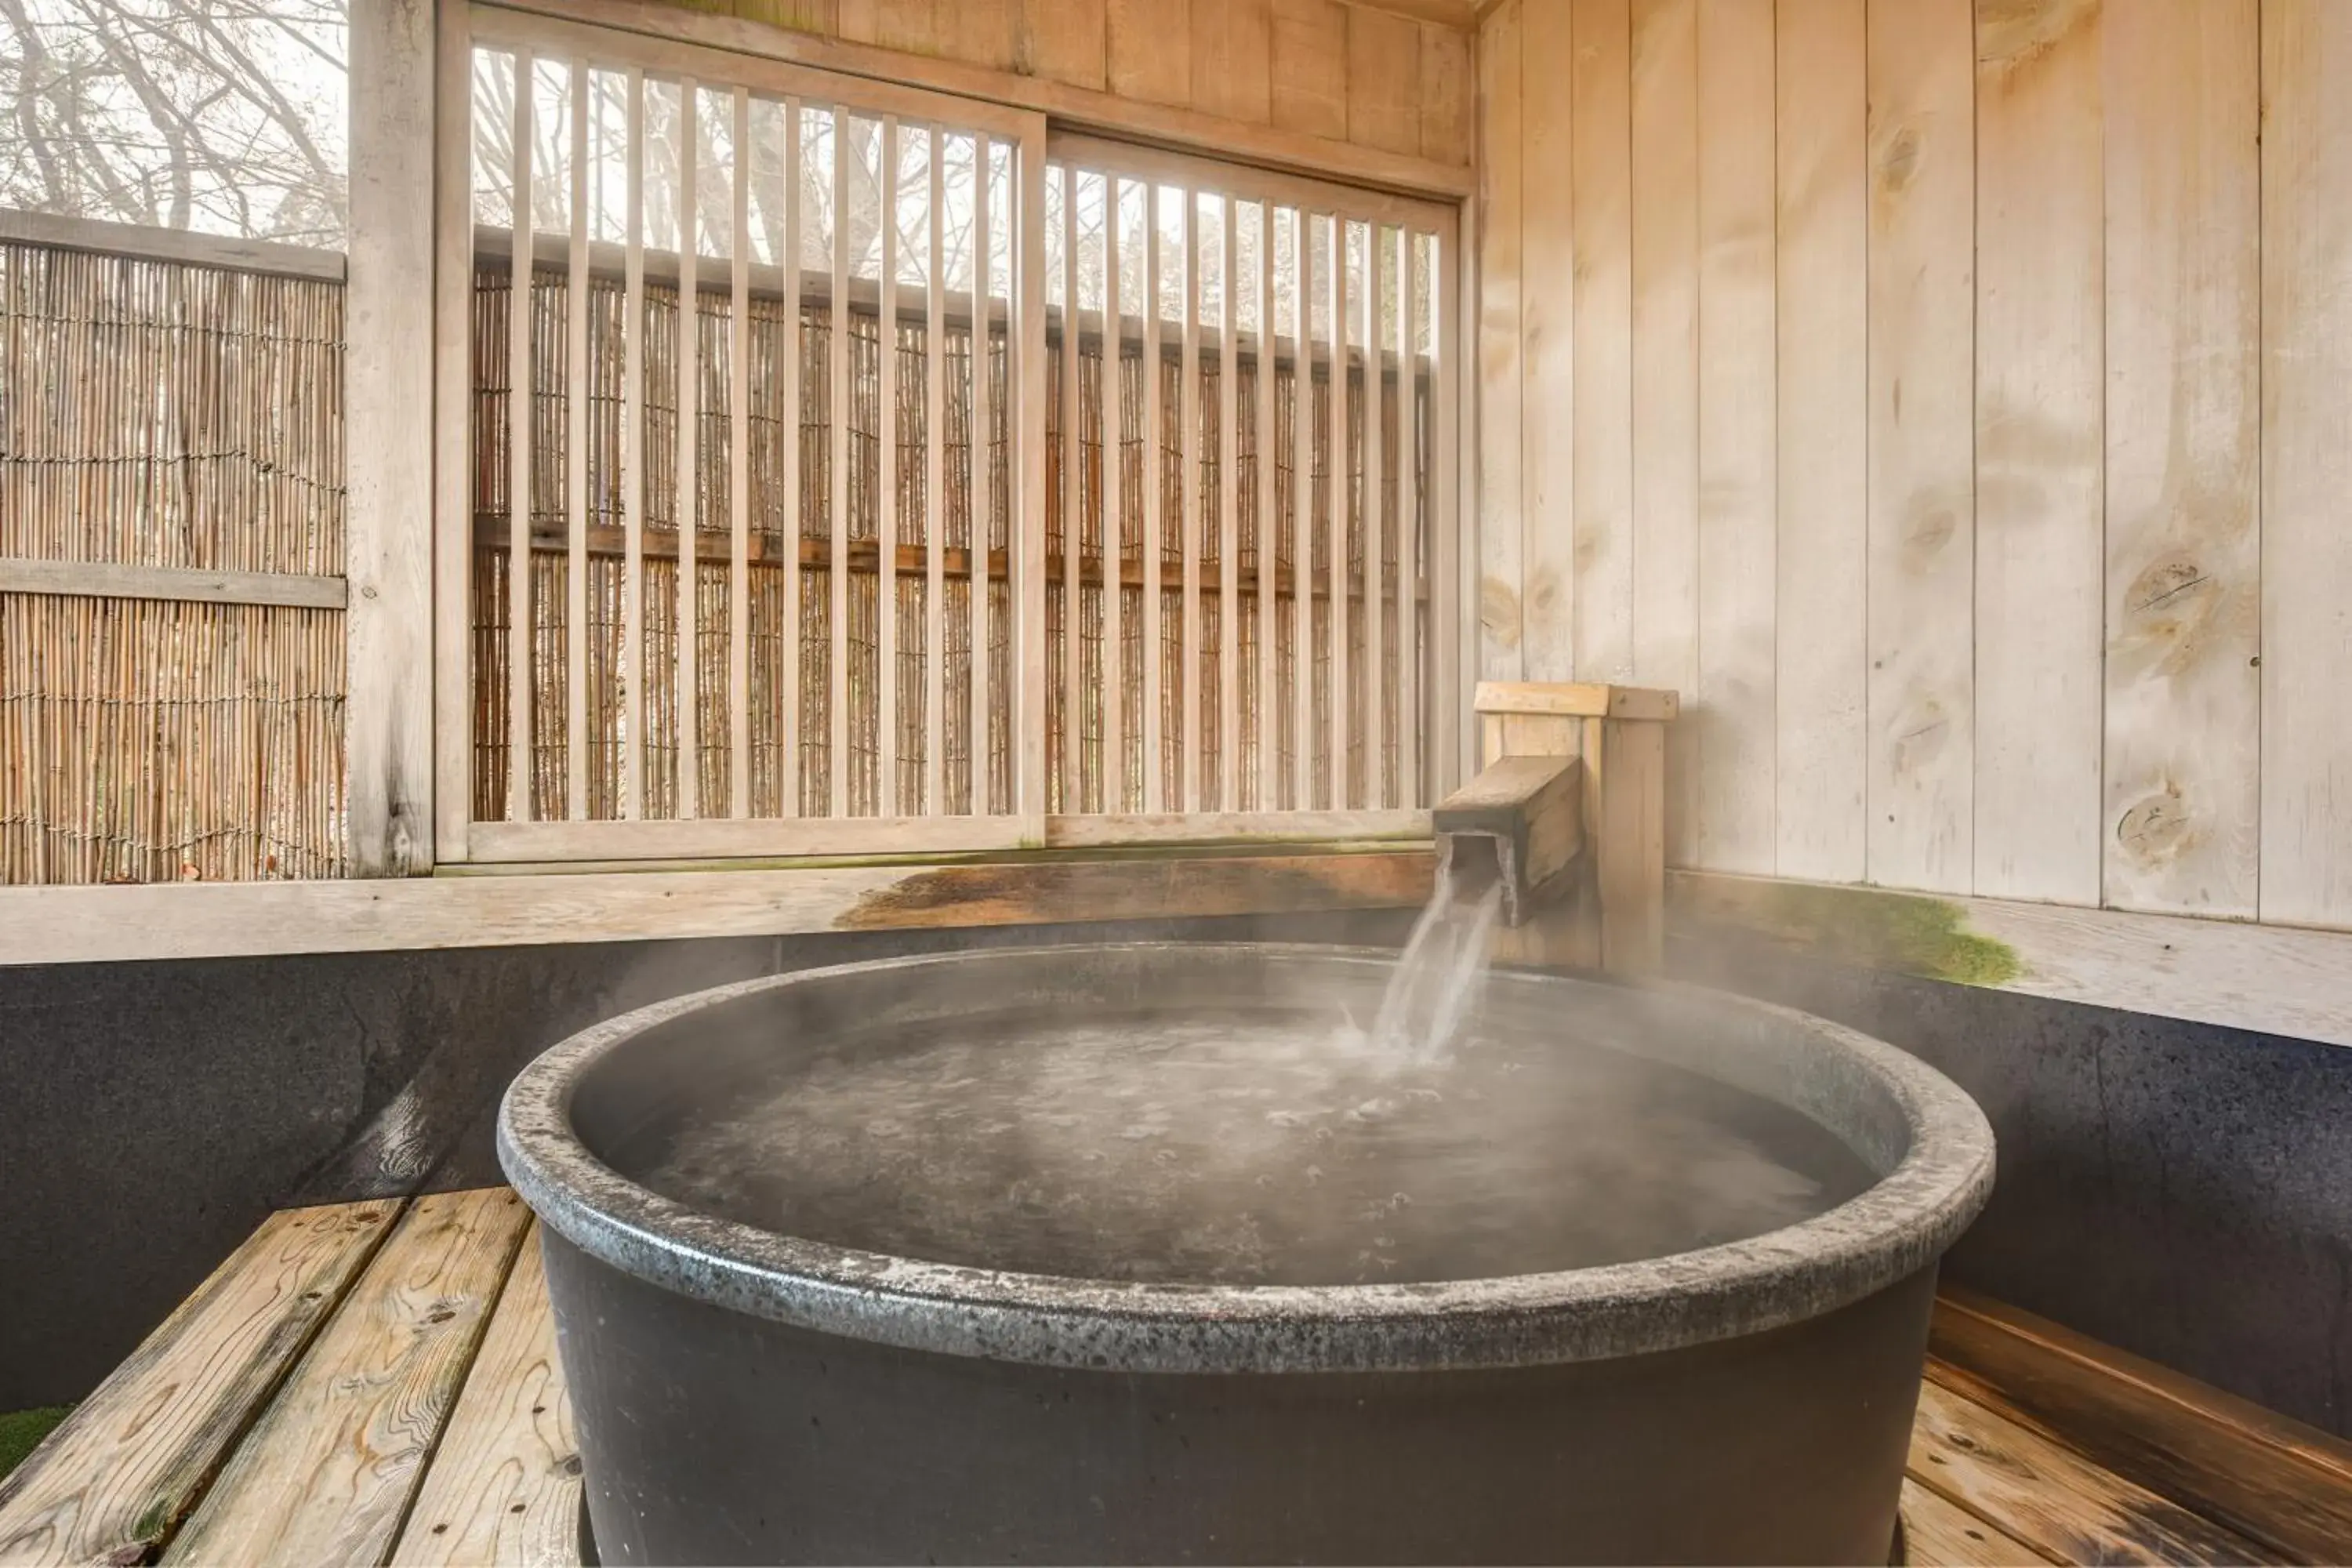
1613	918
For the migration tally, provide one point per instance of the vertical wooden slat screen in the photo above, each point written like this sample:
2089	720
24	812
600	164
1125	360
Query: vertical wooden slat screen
935	427
735	589
1229	332
633	468
1268	726
979	745
1070	494
1412	482
885	496
1114	535
1375	506
519	450
1301	513
689	471
1189	402
704	621
1155	498
837	513
1339	492
1287	659
739	471
575	471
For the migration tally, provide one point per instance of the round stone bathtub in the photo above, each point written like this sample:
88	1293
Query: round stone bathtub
891	1374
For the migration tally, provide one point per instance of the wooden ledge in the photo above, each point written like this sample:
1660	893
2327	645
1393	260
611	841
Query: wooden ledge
223	920
2278	980
1577	700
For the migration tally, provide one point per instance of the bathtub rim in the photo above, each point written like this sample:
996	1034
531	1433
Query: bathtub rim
1899	1224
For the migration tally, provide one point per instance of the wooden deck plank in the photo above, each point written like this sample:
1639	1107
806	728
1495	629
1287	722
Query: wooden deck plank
1939	1533
2282	1483
2051	1499
428	1423
112	1481
328	1471
504	1486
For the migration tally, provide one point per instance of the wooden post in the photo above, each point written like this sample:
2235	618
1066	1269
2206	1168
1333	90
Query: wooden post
1616	919
388	393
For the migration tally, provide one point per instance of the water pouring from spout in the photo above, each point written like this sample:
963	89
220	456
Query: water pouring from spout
1437	976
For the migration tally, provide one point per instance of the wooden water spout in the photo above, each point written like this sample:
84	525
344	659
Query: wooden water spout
1520	823
1606	908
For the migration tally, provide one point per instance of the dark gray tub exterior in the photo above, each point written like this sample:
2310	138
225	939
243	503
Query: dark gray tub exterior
744	1396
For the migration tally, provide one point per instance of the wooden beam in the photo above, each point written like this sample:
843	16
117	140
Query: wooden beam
218	920
2052	1500
2278	980
1268	829
1576	700
224	251
1080	108
1459	15
117	579
2276	1481
388	394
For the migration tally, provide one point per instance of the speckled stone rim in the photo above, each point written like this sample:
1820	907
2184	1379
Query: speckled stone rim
1938	1182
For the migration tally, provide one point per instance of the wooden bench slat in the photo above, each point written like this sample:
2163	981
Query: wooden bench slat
504	1487
1939	1533
119	1473
2276	1481
2053	1500
329	1468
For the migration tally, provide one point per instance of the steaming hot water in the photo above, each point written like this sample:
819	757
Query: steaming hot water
1294	1145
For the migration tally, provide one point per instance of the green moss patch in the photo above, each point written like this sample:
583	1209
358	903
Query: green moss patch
1907	934
21	1432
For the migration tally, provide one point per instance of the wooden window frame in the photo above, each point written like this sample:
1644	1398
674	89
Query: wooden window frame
1438	746
617	36
460	838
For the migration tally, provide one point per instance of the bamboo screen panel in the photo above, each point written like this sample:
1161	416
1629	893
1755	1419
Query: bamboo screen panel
1239	613
163	414
771	554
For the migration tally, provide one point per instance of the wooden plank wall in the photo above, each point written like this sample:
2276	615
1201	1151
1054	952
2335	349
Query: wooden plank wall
1383	77
1952	399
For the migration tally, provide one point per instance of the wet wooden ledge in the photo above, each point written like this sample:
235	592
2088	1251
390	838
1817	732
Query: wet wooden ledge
528	907
2279	979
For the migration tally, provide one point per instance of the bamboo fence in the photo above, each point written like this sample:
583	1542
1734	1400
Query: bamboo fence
166	414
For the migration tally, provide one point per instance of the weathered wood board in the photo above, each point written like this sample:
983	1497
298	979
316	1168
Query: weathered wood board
1939	1533
2183	556
2273	979
504	1486
2306	462
1738	524
1922	559
2040	373
75	925
1501	495
113	1482
2052	1500
1821	706
2273	1480
1599	161
331	1464
1664	218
